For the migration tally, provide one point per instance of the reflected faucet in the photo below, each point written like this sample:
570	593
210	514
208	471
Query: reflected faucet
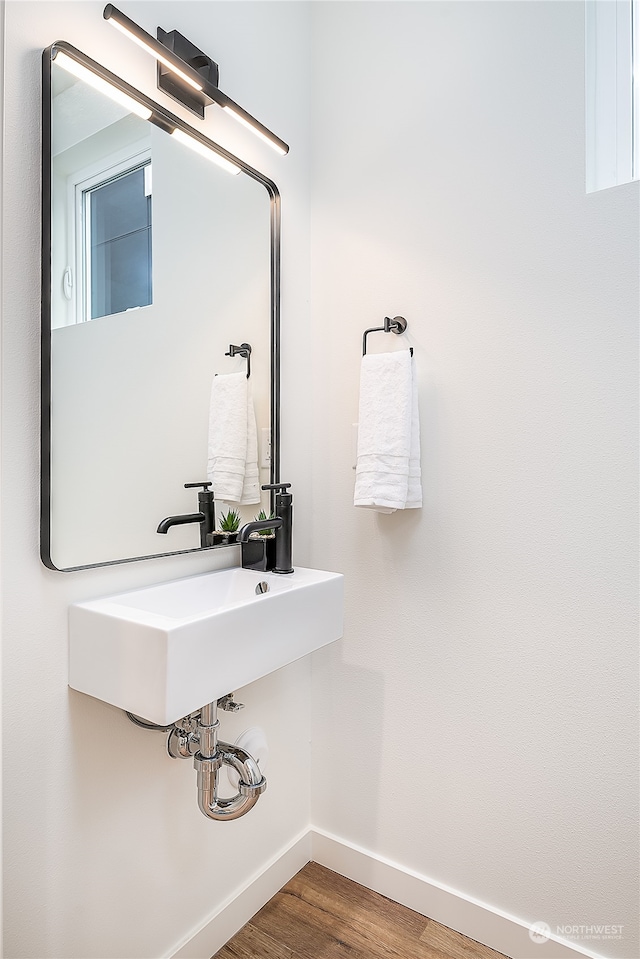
206	516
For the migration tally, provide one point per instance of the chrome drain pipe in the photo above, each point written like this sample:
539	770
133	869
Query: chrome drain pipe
196	735
208	761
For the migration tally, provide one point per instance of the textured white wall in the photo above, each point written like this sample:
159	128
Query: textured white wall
477	722
106	853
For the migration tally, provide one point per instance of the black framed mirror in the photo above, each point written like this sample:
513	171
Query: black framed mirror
155	262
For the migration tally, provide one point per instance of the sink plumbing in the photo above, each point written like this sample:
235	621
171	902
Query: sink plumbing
196	736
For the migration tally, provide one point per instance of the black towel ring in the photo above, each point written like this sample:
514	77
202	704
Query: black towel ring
396	325
243	350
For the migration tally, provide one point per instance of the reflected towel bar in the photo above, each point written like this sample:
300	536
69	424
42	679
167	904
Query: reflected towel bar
243	350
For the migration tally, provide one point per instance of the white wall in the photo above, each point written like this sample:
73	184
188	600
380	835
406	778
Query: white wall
106	852
477	722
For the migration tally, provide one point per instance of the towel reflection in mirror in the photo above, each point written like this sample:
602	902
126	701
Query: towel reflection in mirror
232	462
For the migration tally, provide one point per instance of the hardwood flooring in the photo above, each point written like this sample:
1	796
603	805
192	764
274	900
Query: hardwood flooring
321	915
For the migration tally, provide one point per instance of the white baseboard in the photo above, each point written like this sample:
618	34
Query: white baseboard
472	918
245	902
475	919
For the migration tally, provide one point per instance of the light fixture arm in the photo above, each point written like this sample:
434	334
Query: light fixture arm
190	85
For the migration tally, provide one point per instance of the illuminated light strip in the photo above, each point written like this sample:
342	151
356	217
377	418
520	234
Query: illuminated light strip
154	53
254	129
72	66
205	151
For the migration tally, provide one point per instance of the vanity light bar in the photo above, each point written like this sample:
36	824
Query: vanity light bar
103	86
198	147
256	128
130	29
210	93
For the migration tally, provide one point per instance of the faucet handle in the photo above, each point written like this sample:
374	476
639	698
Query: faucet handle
277	486
197	485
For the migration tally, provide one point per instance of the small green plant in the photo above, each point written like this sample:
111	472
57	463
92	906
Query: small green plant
230	521
259	518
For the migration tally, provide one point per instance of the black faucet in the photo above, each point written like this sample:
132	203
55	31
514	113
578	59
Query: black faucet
206	517
283	525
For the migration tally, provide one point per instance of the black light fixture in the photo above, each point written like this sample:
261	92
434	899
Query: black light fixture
189	75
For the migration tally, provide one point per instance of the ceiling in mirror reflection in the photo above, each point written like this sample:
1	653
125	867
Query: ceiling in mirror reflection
152	278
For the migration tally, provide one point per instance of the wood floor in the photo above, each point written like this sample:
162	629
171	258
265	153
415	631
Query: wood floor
321	915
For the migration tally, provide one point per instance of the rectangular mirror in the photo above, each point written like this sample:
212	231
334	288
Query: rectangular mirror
155	260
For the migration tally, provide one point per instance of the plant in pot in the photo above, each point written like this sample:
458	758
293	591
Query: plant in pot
229	524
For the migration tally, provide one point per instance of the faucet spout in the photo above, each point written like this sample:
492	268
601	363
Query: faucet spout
205	517
257	526
169	521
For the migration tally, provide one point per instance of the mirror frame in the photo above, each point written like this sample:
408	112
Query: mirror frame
162	118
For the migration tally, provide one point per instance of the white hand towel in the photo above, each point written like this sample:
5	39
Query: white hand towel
228	419
414	482
251	482
388	464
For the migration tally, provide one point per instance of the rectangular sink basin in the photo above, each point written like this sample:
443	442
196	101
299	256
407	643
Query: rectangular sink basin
164	651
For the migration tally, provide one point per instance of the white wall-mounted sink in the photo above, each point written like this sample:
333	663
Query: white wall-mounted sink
165	651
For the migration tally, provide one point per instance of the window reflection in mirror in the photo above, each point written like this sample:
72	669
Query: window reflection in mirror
150	283
116	221
101	198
